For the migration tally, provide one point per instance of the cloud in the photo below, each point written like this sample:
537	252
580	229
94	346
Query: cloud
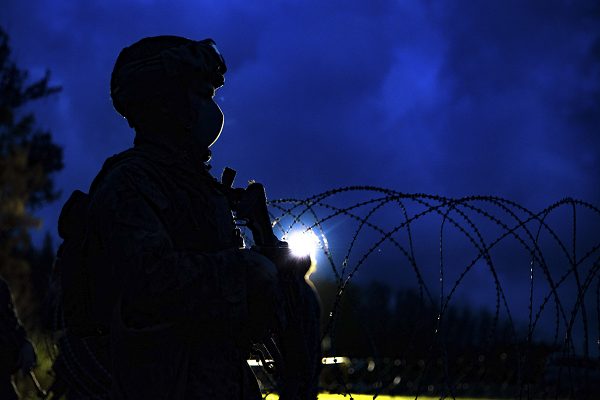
495	97
514	74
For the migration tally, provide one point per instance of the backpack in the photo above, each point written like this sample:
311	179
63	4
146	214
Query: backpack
69	265
77	367
70	268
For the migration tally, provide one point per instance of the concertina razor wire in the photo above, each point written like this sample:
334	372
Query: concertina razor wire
543	343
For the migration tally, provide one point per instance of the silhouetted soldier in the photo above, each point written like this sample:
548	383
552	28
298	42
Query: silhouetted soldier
16	352
156	287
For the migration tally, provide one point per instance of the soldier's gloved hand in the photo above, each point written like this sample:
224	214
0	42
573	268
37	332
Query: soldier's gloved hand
291	272
264	298
27	358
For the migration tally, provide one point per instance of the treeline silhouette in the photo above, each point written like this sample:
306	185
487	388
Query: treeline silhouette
400	321
394	341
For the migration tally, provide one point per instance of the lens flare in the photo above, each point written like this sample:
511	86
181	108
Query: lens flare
303	243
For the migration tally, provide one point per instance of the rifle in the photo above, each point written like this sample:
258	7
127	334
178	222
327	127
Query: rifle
296	348
250	205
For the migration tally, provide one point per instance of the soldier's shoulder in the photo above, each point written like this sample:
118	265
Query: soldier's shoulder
121	169
129	174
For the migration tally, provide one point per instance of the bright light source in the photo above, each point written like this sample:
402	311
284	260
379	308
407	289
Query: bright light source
335	360
257	363
303	243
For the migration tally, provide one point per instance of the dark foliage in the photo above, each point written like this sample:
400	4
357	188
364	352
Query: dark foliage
28	160
18	132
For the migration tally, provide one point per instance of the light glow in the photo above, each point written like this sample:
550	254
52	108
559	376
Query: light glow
303	243
325	361
335	360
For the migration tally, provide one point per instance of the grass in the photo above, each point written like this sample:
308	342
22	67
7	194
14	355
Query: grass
28	392
328	396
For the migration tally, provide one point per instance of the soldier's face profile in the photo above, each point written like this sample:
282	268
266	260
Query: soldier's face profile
208	124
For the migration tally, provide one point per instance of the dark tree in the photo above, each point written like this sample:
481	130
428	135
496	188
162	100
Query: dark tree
40	262
28	159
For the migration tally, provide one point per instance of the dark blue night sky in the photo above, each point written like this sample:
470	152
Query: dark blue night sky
442	97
